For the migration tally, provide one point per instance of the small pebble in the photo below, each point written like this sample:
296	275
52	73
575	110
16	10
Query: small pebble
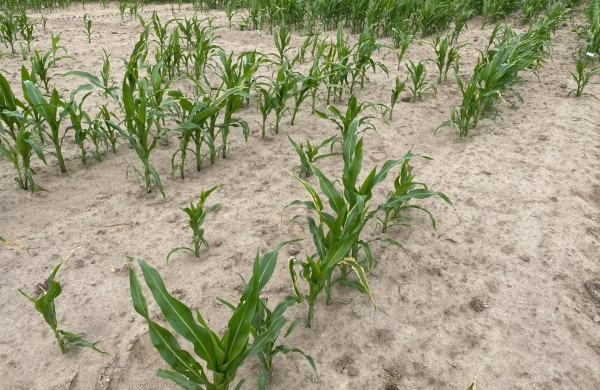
129	347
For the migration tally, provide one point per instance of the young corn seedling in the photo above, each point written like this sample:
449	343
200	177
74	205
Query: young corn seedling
44	21
17	142
45	305
48	112
223	356
265	103
229	12
336	234
307	86
583	78
284	84
302	50
406	188
343	121
195	126
263	320
41	64
418	76
139	121
467	115
108	133
404	41
87	23
122	8
464	13
434	16
79	117
311	154
235	74
18	148
282	42
9	30
26	31
396	91
363	58
197	214
445	56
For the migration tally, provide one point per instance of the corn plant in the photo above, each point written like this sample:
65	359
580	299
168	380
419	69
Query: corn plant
94	81
122	8
17	142
282	42
79	117
310	155
55	47
9	30
396	91
26	31
467	115
222	355
41	64
363	58
353	110
418	77
44	21
108	134
306	86
45	305
18	147
494	10
195	125
406	188
464	13
303	50
445	56
434	16
235	74
403	42
336	234
48	111
590	30
284	84
87	23
197	214
139	121
264	319
583	78
265	103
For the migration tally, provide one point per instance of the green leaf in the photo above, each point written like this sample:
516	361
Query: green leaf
266	267
166	345
336	253
179	379
336	201
77	339
179	316
265	337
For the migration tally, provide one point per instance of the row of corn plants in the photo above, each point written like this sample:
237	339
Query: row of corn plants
498	72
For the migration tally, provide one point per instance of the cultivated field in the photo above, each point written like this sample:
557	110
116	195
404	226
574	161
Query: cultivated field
507	284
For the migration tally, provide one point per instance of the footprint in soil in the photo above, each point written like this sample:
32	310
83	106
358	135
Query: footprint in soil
593	288
346	366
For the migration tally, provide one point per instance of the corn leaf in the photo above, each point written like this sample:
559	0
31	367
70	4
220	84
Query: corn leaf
179	316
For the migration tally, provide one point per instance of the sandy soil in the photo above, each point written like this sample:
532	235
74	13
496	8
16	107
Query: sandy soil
499	286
